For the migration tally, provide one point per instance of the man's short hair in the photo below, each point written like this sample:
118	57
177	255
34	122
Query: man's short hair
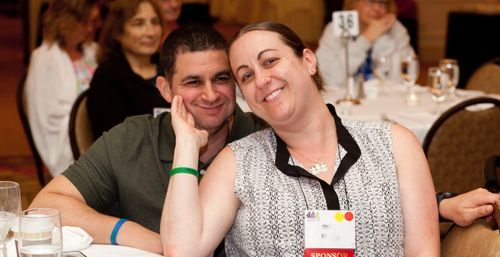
189	38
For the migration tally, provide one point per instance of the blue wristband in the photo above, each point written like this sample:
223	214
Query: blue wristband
117	227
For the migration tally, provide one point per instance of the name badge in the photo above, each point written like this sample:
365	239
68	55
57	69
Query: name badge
329	233
159	110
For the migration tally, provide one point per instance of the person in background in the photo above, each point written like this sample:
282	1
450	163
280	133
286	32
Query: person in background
256	191
129	165
60	69
171	10
124	83
381	35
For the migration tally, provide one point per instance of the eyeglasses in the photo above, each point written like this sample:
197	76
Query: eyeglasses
385	3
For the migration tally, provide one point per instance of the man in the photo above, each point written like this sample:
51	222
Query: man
129	165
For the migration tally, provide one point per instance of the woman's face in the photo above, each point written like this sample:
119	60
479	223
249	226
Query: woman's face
171	9
142	33
83	30
275	82
371	9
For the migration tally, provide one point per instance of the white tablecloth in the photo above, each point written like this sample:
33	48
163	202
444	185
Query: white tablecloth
391	104
96	250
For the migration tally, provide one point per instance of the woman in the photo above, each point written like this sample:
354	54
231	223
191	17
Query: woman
171	10
257	189
124	83
60	69
381	36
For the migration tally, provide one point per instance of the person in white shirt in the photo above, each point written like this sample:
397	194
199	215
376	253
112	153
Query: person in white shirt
381	35
60	69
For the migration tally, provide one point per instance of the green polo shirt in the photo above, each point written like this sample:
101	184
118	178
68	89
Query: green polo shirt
129	165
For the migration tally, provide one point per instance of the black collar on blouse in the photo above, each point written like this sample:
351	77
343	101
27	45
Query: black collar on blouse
344	139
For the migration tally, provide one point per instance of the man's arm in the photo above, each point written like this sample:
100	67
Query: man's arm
464	209
61	194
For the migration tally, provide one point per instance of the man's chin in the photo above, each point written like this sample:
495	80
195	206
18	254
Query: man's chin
212	127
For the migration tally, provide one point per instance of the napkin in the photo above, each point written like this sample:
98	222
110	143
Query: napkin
75	239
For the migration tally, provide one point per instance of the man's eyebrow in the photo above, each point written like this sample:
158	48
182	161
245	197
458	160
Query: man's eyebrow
190	77
224	72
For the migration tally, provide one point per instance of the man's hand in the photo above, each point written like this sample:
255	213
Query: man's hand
464	209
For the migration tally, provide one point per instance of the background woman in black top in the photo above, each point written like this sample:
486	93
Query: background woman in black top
124	83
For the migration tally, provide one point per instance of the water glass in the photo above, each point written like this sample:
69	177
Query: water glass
451	74
40	233
10	207
410	69
382	69
437	86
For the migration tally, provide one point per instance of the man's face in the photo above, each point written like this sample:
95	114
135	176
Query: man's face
204	81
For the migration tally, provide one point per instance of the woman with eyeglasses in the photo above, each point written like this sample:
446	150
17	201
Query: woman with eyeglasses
380	35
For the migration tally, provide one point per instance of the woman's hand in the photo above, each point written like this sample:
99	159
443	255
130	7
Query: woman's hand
377	27
184	126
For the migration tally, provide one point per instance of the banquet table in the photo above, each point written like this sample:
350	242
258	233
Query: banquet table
390	105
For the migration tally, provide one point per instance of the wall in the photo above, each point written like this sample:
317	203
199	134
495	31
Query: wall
432	19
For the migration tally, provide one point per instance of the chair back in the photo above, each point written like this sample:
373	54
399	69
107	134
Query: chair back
478	239
460	141
80	129
486	78
23	116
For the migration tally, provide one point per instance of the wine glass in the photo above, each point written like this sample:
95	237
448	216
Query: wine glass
437	86
451	74
382	69
10	207
409	73
40	233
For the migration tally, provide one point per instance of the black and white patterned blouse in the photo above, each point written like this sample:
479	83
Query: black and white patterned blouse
270	221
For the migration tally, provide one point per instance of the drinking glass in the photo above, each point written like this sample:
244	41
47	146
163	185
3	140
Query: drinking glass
40	233
10	207
409	73
451	73
437	86
382	69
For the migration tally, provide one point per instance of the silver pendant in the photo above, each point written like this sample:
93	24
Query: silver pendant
318	167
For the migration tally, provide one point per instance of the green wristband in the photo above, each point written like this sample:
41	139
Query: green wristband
184	170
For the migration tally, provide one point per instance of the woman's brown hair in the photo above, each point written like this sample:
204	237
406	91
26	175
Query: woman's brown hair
62	17
119	12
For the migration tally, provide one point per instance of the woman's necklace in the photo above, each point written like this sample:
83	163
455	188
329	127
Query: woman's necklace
318	166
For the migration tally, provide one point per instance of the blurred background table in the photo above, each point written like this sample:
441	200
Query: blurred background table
390	105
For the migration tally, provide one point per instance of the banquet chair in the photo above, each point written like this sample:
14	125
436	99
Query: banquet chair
486	78
23	116
460	141
478	239
80	129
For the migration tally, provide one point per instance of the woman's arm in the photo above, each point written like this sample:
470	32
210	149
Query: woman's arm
420	214
194	221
